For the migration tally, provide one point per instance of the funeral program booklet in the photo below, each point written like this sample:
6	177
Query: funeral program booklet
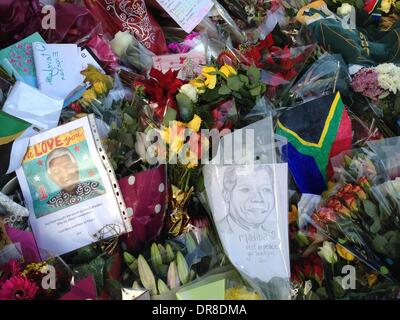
70	189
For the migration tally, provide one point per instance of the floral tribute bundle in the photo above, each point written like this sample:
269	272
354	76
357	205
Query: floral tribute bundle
306	91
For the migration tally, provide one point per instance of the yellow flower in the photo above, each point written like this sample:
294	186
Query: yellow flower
89	95
372	279
100	88
191	161
228	70
344	253
199	84
34	267
174	136
386	5
293	214
211	79
241	294
93	75
195	123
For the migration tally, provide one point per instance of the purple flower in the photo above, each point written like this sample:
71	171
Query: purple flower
192	36
366	82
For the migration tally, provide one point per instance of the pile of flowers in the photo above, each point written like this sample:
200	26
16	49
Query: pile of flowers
165	100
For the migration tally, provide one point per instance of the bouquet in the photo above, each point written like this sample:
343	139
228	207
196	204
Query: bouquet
381	84
361	215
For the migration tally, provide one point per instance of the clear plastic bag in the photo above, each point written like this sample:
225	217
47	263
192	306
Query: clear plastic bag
361	212
325	76
248	199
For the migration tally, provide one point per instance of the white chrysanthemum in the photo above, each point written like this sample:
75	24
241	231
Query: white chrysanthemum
389	77
344	9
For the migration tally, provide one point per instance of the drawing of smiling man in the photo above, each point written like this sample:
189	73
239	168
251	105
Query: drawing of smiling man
249	197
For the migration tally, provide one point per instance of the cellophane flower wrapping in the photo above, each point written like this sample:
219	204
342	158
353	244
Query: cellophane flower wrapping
361	212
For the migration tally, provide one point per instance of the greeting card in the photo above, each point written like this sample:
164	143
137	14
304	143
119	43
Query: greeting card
18	60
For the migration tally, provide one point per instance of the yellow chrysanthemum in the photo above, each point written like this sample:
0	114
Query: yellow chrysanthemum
228	70
89	95
100	88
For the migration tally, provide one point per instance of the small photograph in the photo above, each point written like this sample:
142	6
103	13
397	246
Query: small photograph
61	173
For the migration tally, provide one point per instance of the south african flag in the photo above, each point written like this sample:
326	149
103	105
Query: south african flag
11	128
316	131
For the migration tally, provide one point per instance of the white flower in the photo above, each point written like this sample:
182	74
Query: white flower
121	42
389	77
190	91
327	252
344	9
140	145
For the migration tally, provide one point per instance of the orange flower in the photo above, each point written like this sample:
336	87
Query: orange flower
351	201
363	182
360	192
325	215
336	205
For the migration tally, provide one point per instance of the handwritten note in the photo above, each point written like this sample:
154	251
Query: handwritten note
58	68
187	13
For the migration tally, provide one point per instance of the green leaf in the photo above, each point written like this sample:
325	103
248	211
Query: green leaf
94	268
200	184
234	83
128	119
379	243
372	210
321	292
84	255
185	105
114	289
359	4
170	115
254	74
244	79
255	91
384	270
302	239
397	5
337	288
224	90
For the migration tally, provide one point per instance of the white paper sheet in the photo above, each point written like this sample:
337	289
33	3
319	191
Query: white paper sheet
31	105
187	13
58	68
250	207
